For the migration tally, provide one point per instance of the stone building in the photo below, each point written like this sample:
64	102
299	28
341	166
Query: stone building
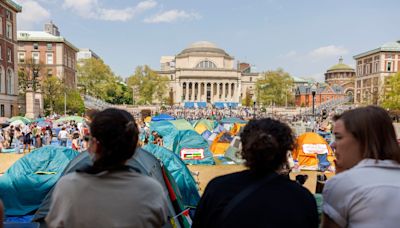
54	53
341	75
204	74
8	60
373	69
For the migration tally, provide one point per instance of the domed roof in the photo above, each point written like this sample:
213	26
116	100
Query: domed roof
340	66
203	48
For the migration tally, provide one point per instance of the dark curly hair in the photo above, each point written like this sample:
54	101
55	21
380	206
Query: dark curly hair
265	144
117	134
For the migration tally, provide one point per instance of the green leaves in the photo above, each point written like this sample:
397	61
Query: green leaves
148	87
392	98
274	88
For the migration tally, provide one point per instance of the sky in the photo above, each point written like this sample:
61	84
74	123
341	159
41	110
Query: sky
304	37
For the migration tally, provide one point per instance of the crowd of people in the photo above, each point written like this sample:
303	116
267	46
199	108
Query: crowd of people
363	193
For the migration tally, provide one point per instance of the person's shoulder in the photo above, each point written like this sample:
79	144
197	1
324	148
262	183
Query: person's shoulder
230	178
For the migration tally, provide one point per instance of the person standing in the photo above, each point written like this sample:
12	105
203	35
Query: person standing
63	137
365	191
109	193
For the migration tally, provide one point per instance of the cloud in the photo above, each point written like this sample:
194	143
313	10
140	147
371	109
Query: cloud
32	14
172	16
289	55
328	51
92	9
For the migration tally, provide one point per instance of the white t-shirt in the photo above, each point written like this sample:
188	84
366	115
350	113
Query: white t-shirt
63	134
116	199
367	196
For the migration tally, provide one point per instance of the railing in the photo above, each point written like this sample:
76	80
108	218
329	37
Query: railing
329	105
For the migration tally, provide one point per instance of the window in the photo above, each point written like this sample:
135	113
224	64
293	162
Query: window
9	32
389	66
10	81
35	46
1	25
1	52
35	57
2	110
12	110
49	72
8	15
49	58
172	77
206	64
49	47
9	55
21	57
251	79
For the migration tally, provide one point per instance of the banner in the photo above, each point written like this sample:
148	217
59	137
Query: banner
192	153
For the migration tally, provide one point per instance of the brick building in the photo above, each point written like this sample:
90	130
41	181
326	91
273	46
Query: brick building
8	61
373	69
55	55
324	94
341	75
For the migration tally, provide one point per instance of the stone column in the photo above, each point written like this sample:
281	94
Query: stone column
30	103
224	91
187	92
193	87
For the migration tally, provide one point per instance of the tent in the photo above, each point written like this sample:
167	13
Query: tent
17	123
203	125
147	119
232	120
71	118
237	128
162	117
30	178
181	174
181	138
21	118
311	148
143	162
221	143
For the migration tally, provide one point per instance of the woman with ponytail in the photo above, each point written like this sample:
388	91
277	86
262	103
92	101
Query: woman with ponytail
108	193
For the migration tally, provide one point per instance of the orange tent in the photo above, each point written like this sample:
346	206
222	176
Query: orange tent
308	145
221	143
236	128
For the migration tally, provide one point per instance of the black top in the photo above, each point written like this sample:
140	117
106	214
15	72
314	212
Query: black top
278	203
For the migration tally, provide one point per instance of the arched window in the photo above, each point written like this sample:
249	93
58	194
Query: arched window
206	64
2	79
10	80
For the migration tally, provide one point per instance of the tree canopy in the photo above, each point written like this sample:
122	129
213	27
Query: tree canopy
274	88
148	86
392	98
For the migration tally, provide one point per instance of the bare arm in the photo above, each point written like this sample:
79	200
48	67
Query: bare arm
328	222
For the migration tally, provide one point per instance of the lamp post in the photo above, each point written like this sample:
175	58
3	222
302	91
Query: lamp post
313	92
230	108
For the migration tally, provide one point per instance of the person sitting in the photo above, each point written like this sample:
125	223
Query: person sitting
259	196
108	193
365	191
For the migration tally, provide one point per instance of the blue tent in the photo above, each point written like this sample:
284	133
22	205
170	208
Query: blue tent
178	135
29	179
231	120
180	173
162	117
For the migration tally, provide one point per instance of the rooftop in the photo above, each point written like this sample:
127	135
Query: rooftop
340	66
203	48
42	36
13	4
389	47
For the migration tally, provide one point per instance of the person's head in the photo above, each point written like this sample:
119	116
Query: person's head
63	128
154	133
265	145
75	135
114	137
361	133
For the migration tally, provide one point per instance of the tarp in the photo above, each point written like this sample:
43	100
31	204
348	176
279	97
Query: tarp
180	173
179	137
202	125
162	117
29	179
23	119
70	118
232	120
145	163
221	143
308	146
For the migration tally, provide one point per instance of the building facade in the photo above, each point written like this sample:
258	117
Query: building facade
324	93
205	74
52	52
373	69
86	53
342	75
8	60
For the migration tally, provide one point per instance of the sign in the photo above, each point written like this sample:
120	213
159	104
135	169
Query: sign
315	148
192	153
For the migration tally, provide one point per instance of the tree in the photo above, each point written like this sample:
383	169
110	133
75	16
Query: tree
52	89
392	98
247	99
74	102
29	72
148	86
274	88
96	78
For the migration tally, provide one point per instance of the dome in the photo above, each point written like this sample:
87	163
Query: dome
203	48
340	67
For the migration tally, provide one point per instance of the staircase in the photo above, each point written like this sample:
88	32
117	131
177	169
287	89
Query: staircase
94	103
328	105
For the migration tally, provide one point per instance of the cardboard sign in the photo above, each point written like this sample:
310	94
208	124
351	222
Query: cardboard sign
315	149
192	153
